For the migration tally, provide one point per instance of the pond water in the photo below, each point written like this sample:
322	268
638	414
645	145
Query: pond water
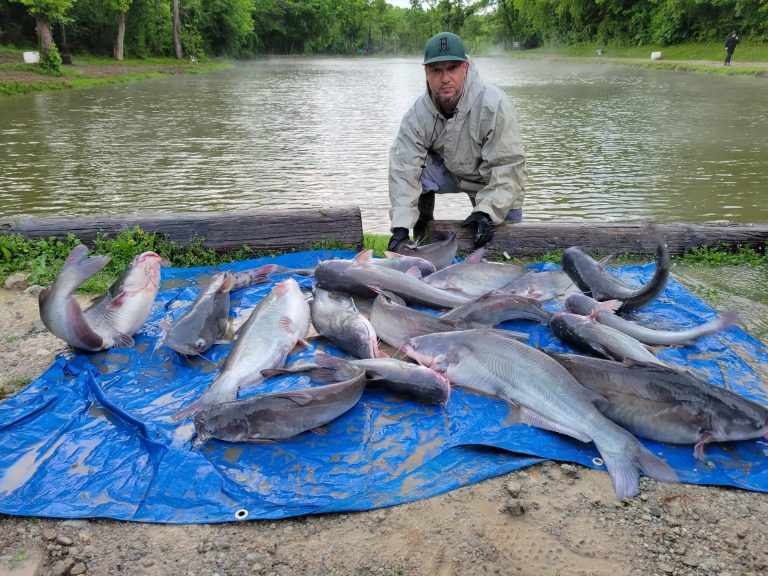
603	142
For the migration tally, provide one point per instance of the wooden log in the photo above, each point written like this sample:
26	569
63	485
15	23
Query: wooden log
285	230
531	238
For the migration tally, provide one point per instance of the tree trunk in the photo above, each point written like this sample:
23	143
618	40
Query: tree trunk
44	35
119	41
177	30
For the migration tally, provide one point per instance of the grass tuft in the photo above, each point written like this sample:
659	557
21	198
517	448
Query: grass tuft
42	259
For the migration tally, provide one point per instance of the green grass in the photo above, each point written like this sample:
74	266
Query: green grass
705	256
18	558
672	56
8	389
73	78
715	51
42	259
376	242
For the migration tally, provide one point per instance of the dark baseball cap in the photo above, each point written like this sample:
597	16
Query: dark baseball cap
444	47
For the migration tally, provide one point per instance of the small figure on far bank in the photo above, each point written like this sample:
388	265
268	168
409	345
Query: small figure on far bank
461	135
730	46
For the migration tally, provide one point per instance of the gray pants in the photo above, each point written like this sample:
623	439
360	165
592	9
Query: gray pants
437	179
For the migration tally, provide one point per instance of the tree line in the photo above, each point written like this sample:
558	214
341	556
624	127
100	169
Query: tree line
244	28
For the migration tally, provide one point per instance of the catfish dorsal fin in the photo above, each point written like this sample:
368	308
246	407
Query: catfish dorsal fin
476	256
414	272
389	254
609	306
364	257
603	262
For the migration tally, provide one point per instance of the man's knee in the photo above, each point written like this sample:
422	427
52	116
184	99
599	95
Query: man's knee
435	177
514	215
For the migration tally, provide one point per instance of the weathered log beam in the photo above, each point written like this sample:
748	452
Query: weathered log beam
279	230
529	238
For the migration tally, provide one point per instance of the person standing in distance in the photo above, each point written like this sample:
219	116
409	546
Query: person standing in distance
730	46
461	135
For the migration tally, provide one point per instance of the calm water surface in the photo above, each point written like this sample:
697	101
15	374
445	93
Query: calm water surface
603	142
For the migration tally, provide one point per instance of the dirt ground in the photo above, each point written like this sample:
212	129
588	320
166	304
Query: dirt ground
551	519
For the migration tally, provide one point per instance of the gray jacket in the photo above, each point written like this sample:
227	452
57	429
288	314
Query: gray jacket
480	145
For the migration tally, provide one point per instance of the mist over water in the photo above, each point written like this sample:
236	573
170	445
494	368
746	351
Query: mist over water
603	142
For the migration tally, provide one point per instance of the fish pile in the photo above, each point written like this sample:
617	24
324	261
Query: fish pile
369	309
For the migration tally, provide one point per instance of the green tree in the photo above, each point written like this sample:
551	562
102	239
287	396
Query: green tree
178	51
46	13
121	7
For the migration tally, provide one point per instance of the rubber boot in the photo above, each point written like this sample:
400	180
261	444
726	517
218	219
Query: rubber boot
426	215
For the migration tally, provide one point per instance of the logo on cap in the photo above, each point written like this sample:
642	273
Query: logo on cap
444	45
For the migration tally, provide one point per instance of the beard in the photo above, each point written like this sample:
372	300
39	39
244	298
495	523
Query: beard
448	104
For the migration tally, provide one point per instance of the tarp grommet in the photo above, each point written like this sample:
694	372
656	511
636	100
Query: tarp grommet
597	461
241	514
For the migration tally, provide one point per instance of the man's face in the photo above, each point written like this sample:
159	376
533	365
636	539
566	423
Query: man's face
446	81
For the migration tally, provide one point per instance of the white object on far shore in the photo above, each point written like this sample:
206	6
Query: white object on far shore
655	55
31	57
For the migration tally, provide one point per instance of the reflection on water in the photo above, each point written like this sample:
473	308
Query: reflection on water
603	142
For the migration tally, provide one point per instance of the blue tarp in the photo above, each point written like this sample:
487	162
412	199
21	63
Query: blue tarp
92	436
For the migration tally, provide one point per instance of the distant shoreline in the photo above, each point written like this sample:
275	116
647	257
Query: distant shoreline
684	58
19	78
86	71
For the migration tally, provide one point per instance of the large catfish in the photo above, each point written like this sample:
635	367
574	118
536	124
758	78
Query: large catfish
549	397
492	309
473	276
335	316
402	262
207	318
440	253
668	405
539	285
204	321
414	380
114	317
592	278
279	415
274	327
395	322
358	276
586	333
603	312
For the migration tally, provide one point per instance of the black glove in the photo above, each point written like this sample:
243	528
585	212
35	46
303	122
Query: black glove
399	235
484	233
